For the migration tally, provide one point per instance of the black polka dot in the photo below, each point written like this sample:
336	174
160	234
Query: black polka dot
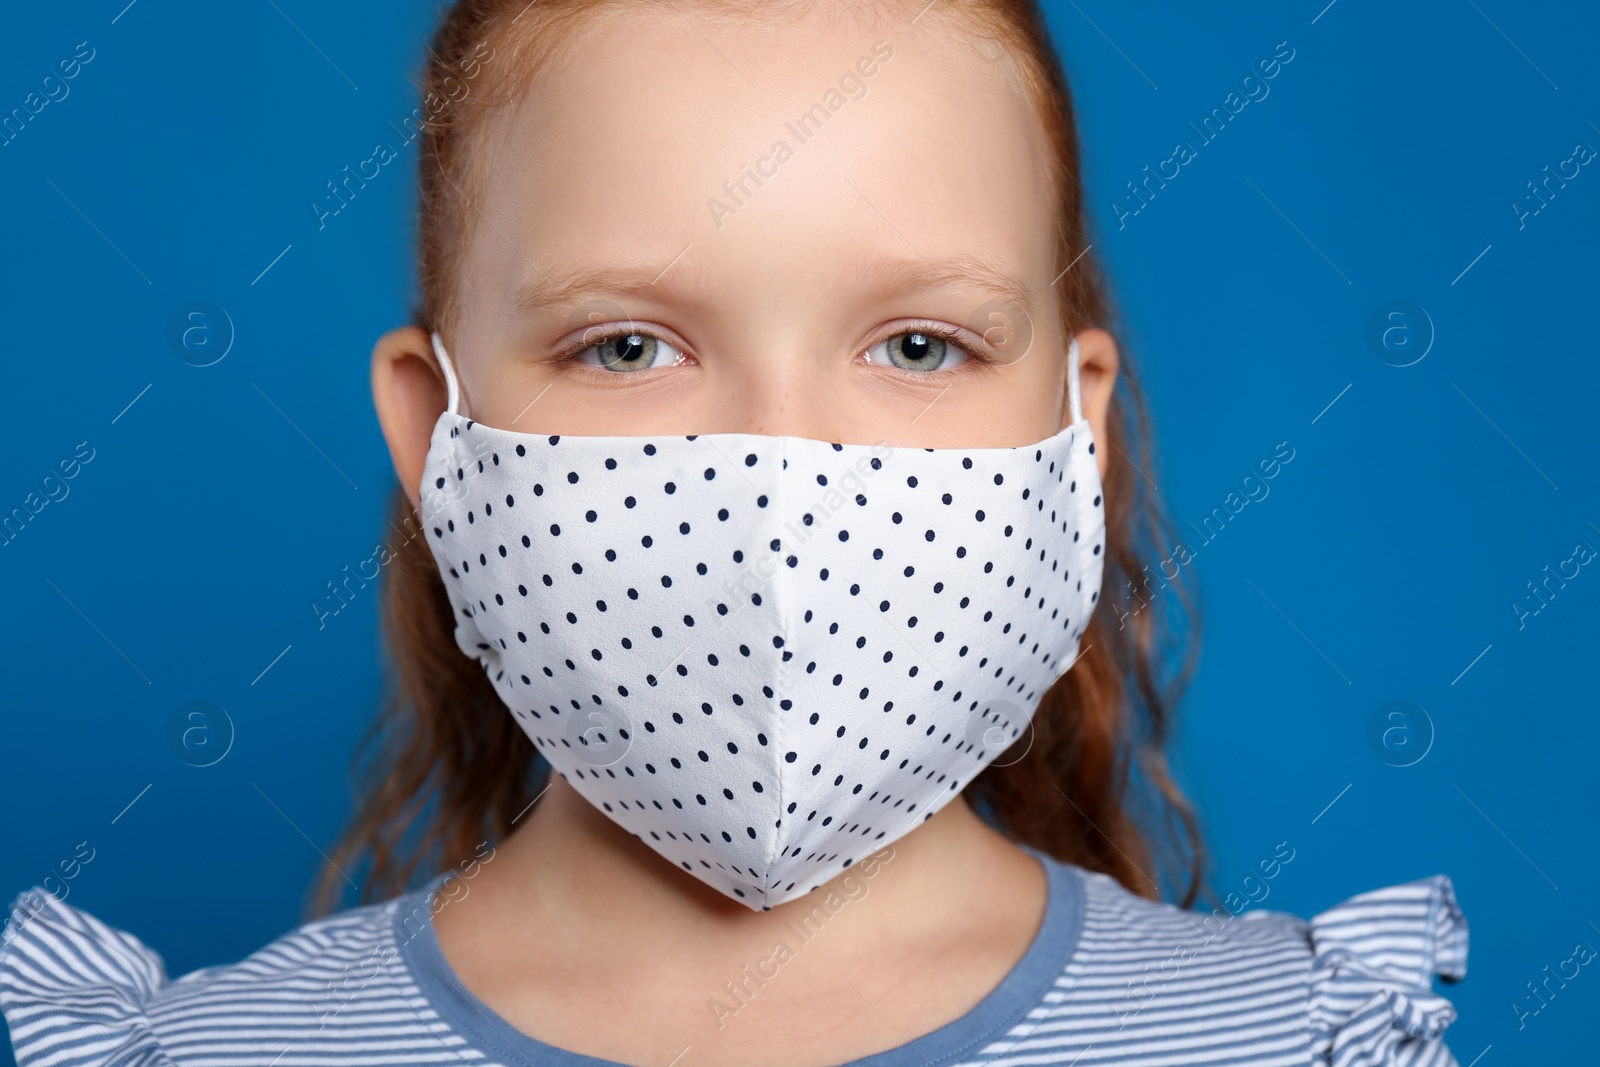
760	598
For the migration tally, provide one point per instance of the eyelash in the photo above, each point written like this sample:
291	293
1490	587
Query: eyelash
570	354
944	333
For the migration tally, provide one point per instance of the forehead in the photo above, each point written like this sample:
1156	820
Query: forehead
771	151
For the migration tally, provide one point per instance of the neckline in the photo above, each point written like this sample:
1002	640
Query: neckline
1024	986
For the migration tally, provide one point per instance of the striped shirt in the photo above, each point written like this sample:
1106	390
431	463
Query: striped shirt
1110	978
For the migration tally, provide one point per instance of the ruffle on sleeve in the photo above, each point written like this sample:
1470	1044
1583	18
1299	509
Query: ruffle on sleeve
73	990
1374	957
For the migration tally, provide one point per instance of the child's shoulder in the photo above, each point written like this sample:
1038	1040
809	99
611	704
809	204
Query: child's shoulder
1355	980
1143	980
75	990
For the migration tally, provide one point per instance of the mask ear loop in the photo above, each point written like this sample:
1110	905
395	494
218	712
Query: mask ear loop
450	375
1074	399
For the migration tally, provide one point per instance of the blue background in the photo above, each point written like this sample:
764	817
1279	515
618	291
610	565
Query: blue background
1382	566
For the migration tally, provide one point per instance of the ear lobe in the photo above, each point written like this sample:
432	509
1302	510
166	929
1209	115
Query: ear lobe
409	393
1097	379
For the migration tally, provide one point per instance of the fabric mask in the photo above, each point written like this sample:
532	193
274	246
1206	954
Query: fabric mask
765	656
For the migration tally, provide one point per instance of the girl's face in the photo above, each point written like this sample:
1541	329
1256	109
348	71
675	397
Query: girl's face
816	227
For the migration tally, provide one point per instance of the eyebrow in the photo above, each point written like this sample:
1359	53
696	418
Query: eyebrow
563	287
882	272
894	273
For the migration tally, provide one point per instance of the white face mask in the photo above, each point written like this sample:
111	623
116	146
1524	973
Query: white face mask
765	656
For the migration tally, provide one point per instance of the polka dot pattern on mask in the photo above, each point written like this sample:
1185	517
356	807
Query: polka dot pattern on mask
765	656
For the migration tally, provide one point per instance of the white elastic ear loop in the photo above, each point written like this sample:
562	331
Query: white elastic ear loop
449	375
1072	382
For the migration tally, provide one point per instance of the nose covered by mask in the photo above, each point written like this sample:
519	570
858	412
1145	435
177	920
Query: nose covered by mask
765	656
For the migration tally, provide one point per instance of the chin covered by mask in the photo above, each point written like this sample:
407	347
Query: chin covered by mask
765	656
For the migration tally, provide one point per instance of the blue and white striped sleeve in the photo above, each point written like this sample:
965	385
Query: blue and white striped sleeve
1374	959
73	989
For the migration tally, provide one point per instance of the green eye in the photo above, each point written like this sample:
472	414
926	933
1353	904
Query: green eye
626	352
917	350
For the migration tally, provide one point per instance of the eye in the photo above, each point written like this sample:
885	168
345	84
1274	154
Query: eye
628	351
918	350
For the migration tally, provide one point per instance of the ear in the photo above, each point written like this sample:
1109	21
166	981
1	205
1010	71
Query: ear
1097	380
409	391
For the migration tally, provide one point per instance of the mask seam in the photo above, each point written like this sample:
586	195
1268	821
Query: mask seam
779	596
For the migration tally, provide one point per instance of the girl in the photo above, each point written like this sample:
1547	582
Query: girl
763	449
